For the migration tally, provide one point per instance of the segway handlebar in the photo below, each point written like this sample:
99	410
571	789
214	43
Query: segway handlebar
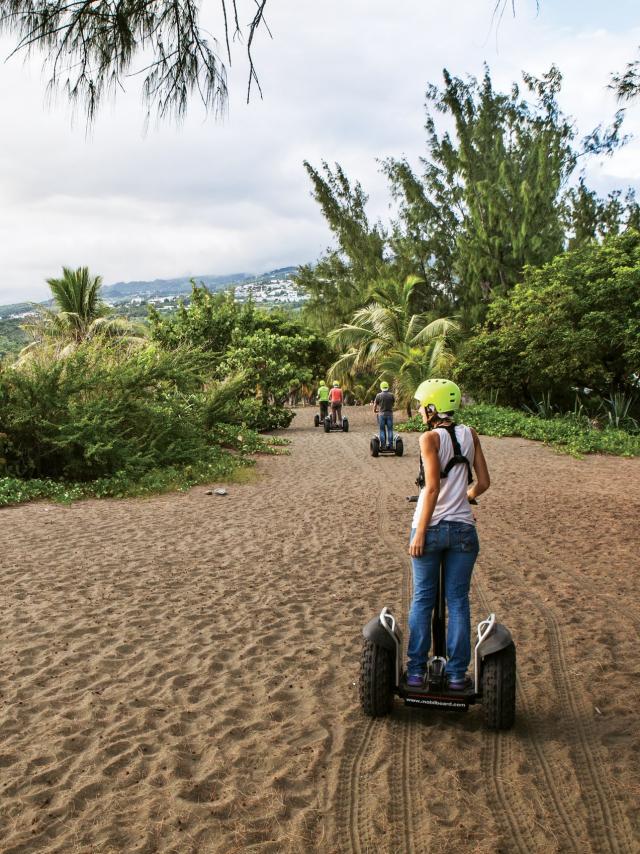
484	630
385	618
414	498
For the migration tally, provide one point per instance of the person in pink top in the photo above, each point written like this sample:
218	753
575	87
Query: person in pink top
335	399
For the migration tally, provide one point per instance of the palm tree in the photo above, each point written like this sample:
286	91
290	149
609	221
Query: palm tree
387	338
81	315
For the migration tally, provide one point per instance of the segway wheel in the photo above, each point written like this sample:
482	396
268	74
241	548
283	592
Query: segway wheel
399	448
316	420
375	446
327	424
376	680
499	688
345	425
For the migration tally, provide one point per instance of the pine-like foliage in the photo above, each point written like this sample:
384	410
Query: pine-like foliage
341	281
490	198
92	46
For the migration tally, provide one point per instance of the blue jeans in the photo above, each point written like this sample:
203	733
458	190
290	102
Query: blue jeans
385	422
455	543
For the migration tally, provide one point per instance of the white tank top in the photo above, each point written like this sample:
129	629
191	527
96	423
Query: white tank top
452	503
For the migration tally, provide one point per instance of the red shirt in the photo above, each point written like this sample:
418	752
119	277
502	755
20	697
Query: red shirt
335	395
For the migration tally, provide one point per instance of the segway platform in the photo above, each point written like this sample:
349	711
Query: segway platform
442	697
333	427
396	450
494	682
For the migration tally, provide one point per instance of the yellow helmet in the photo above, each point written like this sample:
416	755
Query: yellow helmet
384	385
336	384
443	395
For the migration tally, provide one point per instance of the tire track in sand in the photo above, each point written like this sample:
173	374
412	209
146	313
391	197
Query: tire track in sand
410	810
408	814
608	829
608	824
351	817
406	811
498	756
354	777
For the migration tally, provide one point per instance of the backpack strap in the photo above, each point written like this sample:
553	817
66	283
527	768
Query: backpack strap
458	458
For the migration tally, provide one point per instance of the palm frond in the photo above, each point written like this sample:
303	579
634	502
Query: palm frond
438	328
344	366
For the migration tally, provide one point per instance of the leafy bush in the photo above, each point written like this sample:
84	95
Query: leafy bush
275	351
207	322
574	322
100	411
219	466
257	416
247	441
13	490
568	433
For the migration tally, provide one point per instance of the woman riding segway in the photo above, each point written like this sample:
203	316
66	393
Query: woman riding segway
335	399
443	530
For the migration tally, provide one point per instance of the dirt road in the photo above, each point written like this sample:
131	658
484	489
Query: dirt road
179	674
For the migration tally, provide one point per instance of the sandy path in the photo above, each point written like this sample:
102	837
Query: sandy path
178	674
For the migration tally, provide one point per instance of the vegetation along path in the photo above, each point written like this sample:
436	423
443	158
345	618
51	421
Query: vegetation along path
179	674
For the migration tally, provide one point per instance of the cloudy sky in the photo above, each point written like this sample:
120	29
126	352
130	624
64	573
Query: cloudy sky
343	80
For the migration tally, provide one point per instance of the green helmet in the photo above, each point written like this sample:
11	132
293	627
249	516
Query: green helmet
443	395
384	385
322	383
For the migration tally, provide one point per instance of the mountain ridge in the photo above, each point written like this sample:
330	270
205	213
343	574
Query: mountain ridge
182	284
164	287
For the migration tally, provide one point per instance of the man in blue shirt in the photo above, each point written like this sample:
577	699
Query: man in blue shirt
383	406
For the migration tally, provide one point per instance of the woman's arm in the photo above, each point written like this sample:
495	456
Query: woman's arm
429	447
483	481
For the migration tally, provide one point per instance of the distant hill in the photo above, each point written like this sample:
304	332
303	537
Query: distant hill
123	291
15	308
182	285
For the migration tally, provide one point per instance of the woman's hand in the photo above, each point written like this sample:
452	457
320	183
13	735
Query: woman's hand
416	546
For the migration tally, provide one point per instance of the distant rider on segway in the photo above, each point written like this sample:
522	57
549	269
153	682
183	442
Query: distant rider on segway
323	399
335	398
443	529
383	407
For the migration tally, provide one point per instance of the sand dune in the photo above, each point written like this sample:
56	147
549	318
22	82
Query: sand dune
179	674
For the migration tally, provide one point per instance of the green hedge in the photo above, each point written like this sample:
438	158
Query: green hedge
572	435
219	464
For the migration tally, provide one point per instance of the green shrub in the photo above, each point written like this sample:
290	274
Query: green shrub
220	465
274	350
574	322
257	416
244	440
100	411
571	434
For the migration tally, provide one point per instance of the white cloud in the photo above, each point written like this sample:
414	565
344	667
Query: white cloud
342	82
